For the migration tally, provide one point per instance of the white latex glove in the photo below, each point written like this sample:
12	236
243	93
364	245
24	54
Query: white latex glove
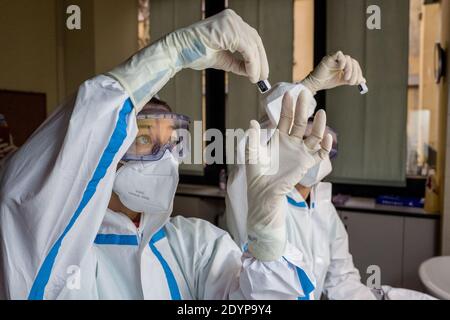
206	44
334	71
267	190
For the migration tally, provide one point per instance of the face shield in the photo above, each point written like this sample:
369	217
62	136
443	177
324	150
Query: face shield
159	131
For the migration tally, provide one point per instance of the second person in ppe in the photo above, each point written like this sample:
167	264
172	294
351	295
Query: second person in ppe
314	226
312	222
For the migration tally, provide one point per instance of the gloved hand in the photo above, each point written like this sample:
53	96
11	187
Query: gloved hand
205	44
333	71
267	188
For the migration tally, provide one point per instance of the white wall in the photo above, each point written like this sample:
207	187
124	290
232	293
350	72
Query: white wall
28	47
108	37
116	32
39	54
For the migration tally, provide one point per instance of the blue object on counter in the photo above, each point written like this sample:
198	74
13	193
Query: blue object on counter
401	201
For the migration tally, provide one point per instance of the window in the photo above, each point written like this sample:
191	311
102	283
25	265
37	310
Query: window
371	127
144	23
224	100
303	62
199	95
423	105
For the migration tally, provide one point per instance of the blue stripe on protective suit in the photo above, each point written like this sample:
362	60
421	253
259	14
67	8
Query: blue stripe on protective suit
118	136
301	204
306	284
116	239
171	281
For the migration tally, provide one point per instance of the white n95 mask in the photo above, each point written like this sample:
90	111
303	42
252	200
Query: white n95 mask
148	186
317	173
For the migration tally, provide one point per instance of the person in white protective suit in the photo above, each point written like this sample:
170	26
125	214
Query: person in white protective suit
86	202
313	224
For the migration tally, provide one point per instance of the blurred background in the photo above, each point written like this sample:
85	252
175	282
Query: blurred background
390	176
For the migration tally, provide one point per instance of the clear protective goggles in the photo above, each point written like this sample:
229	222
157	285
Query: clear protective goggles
159	132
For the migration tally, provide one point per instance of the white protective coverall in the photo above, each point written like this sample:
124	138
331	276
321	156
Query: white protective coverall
319	234
315	229
59	240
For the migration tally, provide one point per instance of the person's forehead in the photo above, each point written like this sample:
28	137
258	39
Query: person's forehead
146	123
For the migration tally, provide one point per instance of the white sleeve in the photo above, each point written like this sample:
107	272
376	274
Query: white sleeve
55	190
284	279
227	273
288	278
343	281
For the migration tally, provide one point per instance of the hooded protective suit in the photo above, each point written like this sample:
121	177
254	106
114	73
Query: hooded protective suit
317	231
60	241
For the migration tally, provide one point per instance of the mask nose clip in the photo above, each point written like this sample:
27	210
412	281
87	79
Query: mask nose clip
156	148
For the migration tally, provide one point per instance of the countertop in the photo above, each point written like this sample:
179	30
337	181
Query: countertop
202	191
369	205
363	205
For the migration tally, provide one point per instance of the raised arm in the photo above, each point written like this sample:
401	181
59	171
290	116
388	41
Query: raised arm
55	190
